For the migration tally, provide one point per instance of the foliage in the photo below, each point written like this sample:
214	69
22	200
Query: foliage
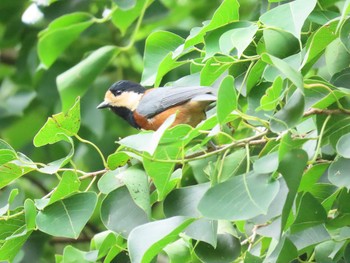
264	178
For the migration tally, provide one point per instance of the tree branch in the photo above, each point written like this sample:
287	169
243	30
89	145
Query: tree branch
314	111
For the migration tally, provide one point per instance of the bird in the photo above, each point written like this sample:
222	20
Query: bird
147	109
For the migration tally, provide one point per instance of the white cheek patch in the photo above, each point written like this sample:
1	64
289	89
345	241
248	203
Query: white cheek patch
128	100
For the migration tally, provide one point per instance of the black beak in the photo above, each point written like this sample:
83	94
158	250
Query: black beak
103	105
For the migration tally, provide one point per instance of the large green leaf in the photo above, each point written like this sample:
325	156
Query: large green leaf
10	172
75	81
239	198
343	146
289	17
60	34
120	213
147	240
271	98
67	217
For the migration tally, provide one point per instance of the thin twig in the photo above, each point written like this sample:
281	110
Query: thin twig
314	111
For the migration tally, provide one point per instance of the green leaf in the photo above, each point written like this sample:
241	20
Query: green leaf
285	251
117	159
279	43
266	164
72	254
62	123
290	115
147	240
125	4
178	252
289	17
338	172
226	13
343	146
227	99
317	44
289	72
120	213
341	79
30	214
213	70
60	34
310	213
158	56
239	198
310	237
344	34
292	167
238	38
255	74
10	172
271	98
228	248
67	217
75	81
124	18
184	201
311	177
69	184
337	57
7	153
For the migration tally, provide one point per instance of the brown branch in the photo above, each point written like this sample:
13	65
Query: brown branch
314	111
64	240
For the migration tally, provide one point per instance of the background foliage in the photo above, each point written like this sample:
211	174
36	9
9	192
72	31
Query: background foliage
273	189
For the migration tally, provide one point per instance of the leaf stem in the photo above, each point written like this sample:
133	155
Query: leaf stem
320	140
96	148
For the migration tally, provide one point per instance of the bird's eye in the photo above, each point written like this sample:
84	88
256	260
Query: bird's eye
117	92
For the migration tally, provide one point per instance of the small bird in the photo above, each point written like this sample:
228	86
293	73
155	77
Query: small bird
148	109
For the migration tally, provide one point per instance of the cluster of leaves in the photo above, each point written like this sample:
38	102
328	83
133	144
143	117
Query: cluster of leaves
274	186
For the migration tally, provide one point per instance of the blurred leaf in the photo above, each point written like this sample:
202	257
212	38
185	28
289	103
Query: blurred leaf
120	213
60	34
341	79
62	123
227	250
254	76
343	146
279	43
290	17
30	214
227	99
344	34
147	240
72	254
338	172
67	217
75	81
158	56
123	18
290	115
226	13
125	4
238	38
239	198
178	252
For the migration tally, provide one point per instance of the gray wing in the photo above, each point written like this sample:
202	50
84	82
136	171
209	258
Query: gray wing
161	99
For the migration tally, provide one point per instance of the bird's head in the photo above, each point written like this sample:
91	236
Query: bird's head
123	94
